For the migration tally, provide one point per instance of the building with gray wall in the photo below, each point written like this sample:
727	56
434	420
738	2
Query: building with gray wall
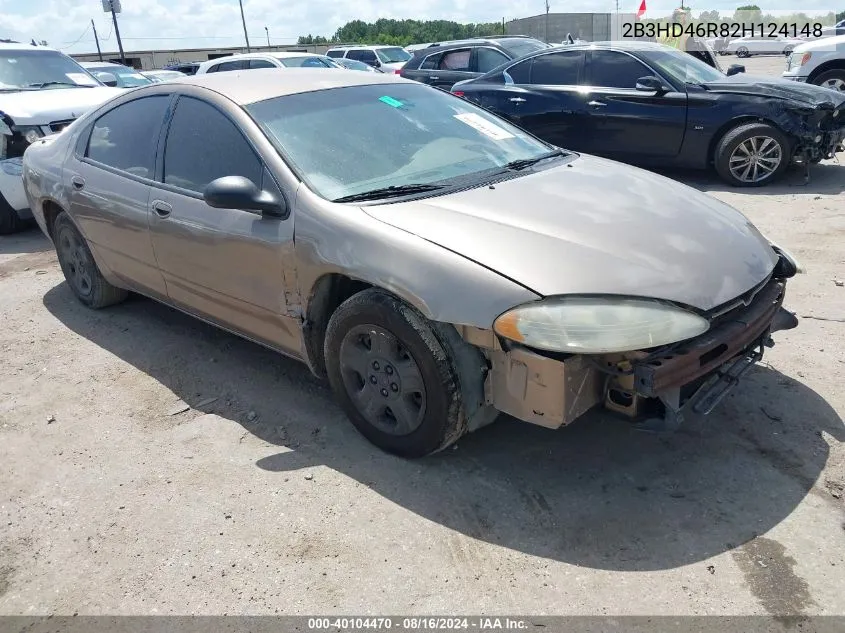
554	27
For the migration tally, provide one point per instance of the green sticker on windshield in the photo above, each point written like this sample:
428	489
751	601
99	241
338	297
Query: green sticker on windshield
391	101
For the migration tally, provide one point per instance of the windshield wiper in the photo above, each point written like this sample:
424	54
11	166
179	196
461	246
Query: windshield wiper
522	163
44	84
388	192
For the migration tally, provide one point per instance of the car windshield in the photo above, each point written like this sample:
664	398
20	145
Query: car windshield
683	67
126	77
393	55
306	62
346	141
36	69
519	46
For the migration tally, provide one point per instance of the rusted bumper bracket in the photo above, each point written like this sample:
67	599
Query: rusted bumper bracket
717	347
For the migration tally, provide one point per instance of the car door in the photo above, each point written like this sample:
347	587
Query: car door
110	186
625	122
255	64
486	58
222	264
451	67
542	95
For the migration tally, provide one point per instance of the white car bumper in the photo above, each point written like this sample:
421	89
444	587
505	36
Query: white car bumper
11	186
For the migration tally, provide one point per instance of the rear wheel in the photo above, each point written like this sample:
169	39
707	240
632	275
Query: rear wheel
742	52
394	378
788	49
752	155
10	221
833	79
80	269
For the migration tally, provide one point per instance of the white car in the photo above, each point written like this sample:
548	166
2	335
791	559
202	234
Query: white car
124	76
157	76
388	59
253	61
42	91
747	46
821	62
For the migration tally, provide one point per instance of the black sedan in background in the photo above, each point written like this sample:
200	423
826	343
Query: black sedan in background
650	104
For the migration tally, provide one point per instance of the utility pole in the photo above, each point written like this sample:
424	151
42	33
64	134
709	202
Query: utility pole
113	7
503	26
266	30
97	40
547	22
243	20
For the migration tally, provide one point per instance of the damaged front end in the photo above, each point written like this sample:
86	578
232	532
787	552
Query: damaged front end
819	131
653	388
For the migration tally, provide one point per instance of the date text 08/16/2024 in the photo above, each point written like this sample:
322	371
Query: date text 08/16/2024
418	623
637	30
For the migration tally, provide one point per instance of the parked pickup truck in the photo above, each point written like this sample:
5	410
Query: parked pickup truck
821	62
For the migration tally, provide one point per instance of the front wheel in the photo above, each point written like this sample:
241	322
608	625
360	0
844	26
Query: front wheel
79	268
742	52
833	79
752	155
394	378
788	50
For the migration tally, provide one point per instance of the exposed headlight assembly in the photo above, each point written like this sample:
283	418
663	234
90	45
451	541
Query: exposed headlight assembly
598	325
30	132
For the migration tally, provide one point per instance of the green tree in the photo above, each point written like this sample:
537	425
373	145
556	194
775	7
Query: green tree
709	16
748	13
840	16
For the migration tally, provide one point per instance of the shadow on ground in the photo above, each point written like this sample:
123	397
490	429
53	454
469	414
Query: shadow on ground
31	240
596	494
827	178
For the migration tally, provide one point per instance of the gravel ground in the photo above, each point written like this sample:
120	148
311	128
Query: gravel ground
260	497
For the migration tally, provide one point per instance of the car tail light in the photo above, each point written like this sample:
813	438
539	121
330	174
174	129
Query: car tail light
398	71
458	93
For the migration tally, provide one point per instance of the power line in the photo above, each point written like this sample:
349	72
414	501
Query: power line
78	39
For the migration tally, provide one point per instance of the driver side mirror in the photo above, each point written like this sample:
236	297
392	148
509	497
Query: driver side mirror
107	79
651	84
237	192
735	69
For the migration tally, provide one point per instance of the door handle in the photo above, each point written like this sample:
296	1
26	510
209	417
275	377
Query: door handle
597	104
78	182
433	77
162	209
517	100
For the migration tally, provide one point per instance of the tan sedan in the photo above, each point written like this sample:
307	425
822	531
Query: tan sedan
436	263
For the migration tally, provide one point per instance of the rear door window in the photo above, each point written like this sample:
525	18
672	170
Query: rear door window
334	54
520	73
557	69
239	64
486	59
431	62
126	136
260	63
455	60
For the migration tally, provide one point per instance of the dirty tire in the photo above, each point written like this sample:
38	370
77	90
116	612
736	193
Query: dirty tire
10	221
441	420
833	79
734	137
80	269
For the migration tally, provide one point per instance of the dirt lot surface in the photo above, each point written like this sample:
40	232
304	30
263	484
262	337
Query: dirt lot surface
260	497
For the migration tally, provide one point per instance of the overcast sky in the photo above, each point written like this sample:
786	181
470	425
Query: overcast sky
167	24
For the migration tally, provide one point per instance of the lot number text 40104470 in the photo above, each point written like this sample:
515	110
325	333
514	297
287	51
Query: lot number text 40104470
721	29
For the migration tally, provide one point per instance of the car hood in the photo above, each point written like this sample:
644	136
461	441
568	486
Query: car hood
770	87
595	226
824	44
39	107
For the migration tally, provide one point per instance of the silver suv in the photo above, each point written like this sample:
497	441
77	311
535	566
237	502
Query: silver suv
388	59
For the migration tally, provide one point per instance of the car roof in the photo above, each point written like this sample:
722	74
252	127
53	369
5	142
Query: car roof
250	86
21	46
95	64
348	46
276	54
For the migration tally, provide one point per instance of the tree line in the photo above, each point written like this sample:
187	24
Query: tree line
404	32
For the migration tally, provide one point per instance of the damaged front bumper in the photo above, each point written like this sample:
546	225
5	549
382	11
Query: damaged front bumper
653	389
